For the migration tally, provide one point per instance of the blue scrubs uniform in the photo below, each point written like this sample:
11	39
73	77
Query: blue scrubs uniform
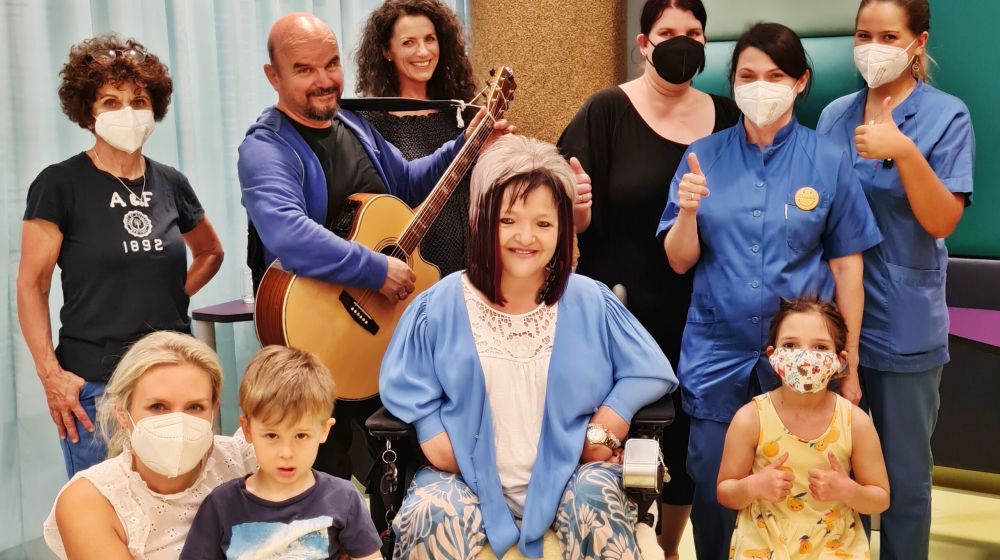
757	245
904	337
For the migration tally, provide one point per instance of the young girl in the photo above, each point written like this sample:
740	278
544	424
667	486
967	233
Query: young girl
789	453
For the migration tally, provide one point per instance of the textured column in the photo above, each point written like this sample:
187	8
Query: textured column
561	52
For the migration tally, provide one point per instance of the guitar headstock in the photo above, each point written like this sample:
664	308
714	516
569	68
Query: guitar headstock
501	91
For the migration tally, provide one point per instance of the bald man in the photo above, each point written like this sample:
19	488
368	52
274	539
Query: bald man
298	164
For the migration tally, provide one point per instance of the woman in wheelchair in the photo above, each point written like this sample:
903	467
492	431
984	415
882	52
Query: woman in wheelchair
520	379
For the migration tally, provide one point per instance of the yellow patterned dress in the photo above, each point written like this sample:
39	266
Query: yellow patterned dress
800	527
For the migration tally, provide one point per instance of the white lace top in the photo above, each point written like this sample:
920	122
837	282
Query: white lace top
156	524
514	351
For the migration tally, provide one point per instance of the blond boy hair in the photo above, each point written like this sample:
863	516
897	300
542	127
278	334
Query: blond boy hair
286	385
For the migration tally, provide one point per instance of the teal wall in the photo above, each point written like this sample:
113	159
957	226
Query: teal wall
965	47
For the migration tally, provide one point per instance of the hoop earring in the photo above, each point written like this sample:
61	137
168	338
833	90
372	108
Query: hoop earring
915	69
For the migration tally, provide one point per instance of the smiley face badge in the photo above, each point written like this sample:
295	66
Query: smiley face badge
806	199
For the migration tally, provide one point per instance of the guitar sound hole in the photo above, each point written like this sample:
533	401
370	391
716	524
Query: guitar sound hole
397	252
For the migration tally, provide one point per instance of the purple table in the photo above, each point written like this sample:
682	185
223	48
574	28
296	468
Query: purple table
980	325
205	318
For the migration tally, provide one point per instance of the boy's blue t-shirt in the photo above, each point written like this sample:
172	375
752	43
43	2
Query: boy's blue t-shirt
319	523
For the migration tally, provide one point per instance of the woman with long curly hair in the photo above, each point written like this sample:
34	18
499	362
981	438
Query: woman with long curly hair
416	49
119	224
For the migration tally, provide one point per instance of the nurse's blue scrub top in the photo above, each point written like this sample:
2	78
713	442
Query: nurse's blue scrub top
757	246
906	318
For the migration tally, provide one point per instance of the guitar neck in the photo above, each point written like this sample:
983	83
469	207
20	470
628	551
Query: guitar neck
435	201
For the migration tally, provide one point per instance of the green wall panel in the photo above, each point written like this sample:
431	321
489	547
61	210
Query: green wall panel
964	46
809	18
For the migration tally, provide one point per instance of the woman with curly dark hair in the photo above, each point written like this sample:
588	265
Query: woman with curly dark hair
119	225
416	49
388	60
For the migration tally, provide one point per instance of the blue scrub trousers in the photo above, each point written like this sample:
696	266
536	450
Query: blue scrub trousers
712	524
90	449
904	409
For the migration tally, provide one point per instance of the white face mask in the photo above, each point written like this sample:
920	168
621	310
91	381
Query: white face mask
763	102
171	444
881	64
125	129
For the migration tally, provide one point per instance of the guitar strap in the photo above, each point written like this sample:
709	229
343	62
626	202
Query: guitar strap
399	104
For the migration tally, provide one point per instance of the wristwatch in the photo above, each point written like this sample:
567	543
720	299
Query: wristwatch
599	435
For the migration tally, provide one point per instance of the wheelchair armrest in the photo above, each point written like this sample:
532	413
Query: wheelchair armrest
653	418
382	424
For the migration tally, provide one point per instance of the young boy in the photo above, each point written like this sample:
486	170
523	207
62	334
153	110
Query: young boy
285	509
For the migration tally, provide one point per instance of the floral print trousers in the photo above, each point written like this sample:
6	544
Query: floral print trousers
440	517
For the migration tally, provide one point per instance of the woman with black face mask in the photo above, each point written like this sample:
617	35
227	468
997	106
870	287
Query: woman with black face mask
630	139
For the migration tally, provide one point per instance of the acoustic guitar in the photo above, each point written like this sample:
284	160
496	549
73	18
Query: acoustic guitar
349	328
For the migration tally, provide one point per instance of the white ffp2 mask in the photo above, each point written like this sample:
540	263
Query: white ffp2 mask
171	444
763	102
125	129
881	64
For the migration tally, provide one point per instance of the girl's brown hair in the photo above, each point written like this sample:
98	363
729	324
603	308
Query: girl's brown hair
811	304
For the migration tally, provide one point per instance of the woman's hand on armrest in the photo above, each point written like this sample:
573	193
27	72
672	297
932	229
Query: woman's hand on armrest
440	453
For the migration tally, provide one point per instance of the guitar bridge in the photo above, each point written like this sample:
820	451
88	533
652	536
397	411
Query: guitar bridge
358	313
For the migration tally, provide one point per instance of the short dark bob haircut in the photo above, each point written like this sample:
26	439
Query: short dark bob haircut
779	43
87	71
452	78
653	9
518	165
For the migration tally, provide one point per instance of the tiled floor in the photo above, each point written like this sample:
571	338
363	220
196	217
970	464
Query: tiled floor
965	526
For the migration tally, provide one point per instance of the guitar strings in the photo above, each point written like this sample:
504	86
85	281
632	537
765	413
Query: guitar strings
419	225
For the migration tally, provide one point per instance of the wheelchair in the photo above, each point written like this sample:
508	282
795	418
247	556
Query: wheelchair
402	457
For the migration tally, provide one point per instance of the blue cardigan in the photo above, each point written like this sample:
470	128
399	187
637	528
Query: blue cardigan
285	194
431	377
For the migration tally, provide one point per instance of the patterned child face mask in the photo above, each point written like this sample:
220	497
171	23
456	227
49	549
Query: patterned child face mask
805	371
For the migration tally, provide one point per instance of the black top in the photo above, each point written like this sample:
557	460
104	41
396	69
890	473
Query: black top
123	260
346	165
328	518
631	166
417	136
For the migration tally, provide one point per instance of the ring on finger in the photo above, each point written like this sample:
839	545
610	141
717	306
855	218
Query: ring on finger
691	196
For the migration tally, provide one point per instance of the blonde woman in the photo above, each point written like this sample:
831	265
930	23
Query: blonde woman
163	457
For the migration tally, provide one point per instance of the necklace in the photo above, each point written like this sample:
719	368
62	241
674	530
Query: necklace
135	200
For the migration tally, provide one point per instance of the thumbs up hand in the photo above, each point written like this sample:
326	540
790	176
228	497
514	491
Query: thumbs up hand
831	484
772	483
584	188
692	187
880	138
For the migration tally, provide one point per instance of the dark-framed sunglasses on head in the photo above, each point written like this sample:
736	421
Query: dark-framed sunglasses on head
109	55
